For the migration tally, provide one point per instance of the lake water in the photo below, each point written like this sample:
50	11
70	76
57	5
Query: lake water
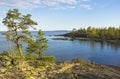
102	53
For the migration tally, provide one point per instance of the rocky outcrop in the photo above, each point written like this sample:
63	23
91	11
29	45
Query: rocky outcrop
61	70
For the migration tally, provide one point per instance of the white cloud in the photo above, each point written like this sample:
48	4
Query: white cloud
30	4
88	7
24	4
85	0
36	1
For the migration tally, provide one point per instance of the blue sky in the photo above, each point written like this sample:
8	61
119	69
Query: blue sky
66	14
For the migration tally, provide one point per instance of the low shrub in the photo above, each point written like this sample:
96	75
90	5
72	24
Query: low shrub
5	53
29	56
77	60
38	63
50	59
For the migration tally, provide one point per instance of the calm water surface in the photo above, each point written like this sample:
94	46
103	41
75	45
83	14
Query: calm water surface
102	53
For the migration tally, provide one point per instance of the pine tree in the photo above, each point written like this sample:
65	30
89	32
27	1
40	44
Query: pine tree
39	46
16	22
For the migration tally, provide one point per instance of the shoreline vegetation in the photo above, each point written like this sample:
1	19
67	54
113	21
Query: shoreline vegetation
15	67
110	34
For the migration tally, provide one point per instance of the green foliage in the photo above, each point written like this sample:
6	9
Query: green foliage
110	33
39	63
39	46
77	60
5	60
29	56
50	59
34	61
16	60
7	66
16	22
5	53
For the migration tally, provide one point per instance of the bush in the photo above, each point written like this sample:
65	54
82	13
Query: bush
5	53
29	56
5	59
78	60
50	59
38	63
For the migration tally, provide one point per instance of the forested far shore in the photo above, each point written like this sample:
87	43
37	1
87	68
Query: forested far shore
103	34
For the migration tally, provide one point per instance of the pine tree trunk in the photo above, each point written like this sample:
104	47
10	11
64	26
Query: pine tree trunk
19	48
18	44
40	56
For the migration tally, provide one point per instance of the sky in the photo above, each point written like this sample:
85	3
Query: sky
65	14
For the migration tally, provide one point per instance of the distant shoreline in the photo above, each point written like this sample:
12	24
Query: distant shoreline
86	39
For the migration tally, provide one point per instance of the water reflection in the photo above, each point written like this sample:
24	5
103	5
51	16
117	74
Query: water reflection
116	47
102	45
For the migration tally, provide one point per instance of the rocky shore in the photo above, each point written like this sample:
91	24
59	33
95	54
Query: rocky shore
59	70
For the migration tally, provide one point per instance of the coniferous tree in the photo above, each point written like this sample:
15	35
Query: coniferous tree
39	46
16	22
